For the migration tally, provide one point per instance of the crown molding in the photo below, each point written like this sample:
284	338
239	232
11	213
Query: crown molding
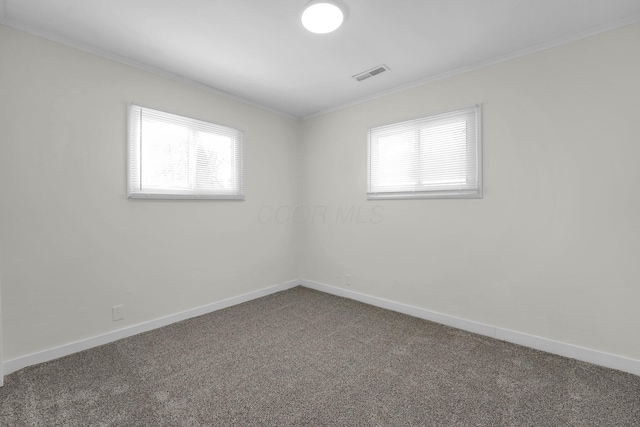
430	79
132	63
633	19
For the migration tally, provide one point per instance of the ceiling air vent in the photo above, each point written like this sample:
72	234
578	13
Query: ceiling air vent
370	73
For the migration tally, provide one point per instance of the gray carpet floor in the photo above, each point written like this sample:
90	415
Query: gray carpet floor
302	357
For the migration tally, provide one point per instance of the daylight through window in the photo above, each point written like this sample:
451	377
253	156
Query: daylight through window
171	156
437	156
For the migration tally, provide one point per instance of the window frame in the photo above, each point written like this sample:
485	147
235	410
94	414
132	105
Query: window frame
419	124
134	162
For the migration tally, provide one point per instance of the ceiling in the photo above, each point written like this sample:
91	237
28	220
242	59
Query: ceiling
257	50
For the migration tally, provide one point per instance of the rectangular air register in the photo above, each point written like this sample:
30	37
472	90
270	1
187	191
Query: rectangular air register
370	73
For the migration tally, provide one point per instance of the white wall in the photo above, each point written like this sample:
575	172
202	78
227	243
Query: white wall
552	248
73	245
1	358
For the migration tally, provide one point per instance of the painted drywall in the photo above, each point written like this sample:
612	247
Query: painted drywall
1	359
552	248
73	245
549	251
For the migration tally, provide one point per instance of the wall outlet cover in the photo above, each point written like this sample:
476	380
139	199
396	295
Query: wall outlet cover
117	312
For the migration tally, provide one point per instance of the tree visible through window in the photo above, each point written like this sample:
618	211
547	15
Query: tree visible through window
171	156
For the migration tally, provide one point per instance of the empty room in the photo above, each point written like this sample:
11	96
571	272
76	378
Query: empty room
326	212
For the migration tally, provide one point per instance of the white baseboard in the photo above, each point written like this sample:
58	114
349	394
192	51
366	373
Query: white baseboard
67	349
550	346
563	349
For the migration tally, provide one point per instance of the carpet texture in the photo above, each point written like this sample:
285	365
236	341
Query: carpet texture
302	357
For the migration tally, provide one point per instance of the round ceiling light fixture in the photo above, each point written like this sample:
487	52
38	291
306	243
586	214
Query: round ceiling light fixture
322	16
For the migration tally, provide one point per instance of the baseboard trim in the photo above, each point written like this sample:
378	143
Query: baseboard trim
596	357
13	365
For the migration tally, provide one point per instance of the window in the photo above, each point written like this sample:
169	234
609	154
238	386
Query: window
171	156
437	156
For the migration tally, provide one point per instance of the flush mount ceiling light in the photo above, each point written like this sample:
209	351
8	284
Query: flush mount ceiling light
322	16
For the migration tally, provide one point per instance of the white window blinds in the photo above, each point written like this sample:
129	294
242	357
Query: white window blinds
435	156
171	156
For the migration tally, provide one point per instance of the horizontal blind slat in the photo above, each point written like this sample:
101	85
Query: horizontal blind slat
436	153
180	157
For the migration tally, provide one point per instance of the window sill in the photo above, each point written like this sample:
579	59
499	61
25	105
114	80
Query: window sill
421	195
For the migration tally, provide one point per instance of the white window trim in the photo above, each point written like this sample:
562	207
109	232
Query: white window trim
432	194
132	157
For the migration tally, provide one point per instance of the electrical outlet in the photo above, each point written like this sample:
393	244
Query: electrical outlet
117	312
347	279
